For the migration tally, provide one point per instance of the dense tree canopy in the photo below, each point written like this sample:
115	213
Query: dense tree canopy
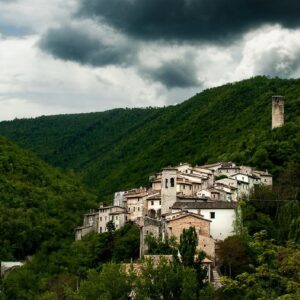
231	122
40	206
38	203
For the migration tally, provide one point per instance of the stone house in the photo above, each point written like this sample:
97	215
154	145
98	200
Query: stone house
96	220
175	224
265	177
176	192
222	215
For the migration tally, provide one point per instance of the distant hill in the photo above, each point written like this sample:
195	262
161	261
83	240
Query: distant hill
119	149
37	203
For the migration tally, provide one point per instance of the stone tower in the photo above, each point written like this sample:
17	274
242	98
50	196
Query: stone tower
168	189
277	111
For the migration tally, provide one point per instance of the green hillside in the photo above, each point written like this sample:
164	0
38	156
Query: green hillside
118	149
37	203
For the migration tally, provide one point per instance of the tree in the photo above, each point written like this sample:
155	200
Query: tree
110	284
234	255
187	246
187	249
168	246
110	225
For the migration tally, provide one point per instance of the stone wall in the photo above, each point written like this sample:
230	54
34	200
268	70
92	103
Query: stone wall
205	242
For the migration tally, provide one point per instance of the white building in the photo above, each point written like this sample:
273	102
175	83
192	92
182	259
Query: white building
221	214
184	187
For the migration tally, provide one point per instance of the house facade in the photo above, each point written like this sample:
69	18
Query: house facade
205	197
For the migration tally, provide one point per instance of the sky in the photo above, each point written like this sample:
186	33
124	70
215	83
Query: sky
74	56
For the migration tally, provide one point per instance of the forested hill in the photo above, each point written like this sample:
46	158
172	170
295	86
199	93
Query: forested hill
118	149
38	204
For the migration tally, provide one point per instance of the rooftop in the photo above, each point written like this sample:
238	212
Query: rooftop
205	205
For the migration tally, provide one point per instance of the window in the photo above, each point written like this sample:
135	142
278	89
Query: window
116	217
184	186
166	183
100	219
138	209
100	229
172	182
152	202
212	215
159	202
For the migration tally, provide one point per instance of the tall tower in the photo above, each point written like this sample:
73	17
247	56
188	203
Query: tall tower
168	189
277	111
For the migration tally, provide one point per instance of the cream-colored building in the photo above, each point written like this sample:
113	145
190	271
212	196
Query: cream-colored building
181	197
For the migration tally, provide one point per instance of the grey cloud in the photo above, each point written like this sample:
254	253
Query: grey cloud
274	63
82	46
174	74
206	20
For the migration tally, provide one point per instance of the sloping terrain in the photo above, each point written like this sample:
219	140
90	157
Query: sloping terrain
119	149
38	203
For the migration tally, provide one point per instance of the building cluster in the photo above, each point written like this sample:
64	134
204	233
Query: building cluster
205	197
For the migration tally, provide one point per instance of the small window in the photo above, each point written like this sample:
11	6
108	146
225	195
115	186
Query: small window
152	202
159	202
212	215
138	209
116	217
166	183
101	219
100	229
172	182
184	186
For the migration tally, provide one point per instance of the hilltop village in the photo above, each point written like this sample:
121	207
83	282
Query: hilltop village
205	197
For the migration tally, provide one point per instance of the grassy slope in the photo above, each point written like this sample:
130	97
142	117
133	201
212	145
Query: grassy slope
118	149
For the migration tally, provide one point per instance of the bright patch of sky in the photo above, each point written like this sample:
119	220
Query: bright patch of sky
60	57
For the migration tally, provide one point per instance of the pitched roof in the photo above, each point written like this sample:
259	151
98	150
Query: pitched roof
188	214
205	205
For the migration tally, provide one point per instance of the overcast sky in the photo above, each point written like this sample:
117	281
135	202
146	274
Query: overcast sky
69	56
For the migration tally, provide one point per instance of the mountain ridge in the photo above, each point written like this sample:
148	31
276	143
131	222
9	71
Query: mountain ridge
120	148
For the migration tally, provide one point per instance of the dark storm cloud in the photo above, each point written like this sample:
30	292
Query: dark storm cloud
174	74
207	20
79	45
